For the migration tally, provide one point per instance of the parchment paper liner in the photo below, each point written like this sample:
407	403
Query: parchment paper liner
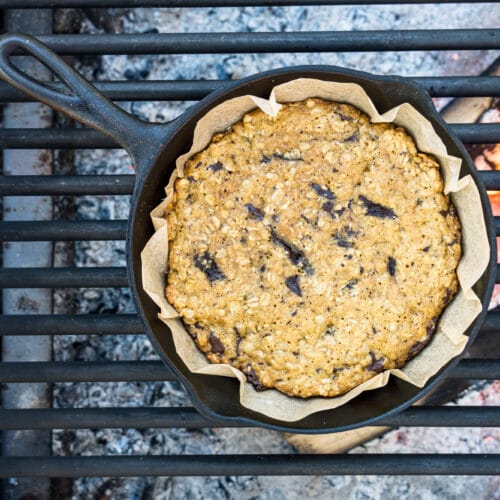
448	341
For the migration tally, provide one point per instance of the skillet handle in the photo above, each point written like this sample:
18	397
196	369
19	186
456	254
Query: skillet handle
83	101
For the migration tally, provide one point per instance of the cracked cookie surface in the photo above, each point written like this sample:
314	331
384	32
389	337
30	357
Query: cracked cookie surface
311	250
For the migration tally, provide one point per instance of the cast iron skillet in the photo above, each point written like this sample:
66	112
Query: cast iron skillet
154	148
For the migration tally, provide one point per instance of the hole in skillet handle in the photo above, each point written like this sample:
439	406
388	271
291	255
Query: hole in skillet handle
83	102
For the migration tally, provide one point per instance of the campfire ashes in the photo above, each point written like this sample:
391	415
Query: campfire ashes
137	347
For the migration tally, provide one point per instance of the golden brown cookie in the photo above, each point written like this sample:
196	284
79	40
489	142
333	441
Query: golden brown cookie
312	250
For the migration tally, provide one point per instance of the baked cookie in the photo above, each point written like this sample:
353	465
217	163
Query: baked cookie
311	250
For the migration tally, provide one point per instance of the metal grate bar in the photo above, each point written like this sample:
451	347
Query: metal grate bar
255	465
74	277
33	185
30	185
63	277
78	230
87	371
271	42
149	371
171	90
67	324
115	324
189	418
64	230
34	4
86	138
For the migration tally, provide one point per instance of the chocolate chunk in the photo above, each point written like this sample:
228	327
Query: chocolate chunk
335	170
205	263
344	243
418	346
322	191
448	296
351	284
238	341
265	159
287	157
216	345
262	268
361	270
376	209
349	232
327	206
391	266
419	202
243	240
352	138
253	378
292	282
214	167
374	330
377	365
254	212
444	213
296	256
345	118
294	313
330	330
426	249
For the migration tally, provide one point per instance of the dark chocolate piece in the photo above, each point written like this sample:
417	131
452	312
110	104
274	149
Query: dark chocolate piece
351	284
330	330
292	282
262	268
374	330
296	256
217	346
444	213
418	346
343	117
287	157
377	365
391	266
255	213
253	378
205	263
322	191
352	138
376	209
214	167
426	249
265	159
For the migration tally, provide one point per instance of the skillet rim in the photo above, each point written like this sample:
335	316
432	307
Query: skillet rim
170	130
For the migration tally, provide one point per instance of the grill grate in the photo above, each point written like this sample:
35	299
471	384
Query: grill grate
122	324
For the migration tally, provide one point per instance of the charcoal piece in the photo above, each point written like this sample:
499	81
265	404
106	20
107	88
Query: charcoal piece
296	256
214	167
253	378
287	157
217	347
352	138
206	264
391	266
377	365
266	159
322	191
254	212
376	209
292	282
351	284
